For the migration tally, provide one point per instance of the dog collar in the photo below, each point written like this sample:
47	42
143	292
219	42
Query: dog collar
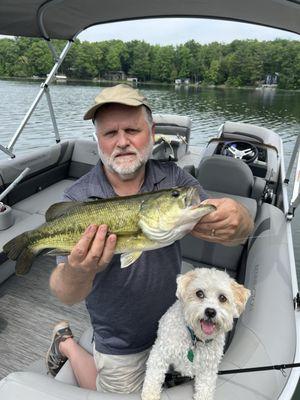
195	339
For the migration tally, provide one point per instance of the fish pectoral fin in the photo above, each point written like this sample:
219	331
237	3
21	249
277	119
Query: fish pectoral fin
56	252
129	258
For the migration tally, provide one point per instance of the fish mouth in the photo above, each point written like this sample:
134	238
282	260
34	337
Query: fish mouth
208	326
192	199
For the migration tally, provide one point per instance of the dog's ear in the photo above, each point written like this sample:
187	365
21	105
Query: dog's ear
241	295
182	283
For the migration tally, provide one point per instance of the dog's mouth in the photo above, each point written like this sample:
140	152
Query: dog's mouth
208	326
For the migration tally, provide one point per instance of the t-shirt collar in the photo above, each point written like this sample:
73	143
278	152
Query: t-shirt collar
100	186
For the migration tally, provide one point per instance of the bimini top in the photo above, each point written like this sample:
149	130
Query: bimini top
64	19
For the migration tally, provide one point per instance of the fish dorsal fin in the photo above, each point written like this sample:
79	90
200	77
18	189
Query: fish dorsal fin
59	209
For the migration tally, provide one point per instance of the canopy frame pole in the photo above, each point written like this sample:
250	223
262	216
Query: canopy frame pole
44	87
52	114
52	49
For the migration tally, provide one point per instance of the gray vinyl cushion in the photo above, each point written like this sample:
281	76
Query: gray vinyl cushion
201	253
226	175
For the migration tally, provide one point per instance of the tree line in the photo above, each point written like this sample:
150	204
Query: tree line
240	63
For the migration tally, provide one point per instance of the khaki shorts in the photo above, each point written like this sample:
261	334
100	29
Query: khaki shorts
120	373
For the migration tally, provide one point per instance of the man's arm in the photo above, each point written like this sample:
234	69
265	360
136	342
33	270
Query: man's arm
230	224
72	281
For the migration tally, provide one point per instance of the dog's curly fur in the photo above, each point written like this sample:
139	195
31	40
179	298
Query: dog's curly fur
208	301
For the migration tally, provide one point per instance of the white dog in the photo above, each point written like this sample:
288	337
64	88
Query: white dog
191	334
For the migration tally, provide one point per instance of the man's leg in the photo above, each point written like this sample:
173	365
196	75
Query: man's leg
64	347
120	373
82	363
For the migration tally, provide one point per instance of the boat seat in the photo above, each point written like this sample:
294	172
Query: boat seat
84	156
201	253
229	175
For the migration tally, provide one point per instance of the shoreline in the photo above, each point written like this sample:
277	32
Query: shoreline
150	83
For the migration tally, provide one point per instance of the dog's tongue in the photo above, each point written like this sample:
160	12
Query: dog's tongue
207	327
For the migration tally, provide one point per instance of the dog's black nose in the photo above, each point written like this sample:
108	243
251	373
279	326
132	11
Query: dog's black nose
210	312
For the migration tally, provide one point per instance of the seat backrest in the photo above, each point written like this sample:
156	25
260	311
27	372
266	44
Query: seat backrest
201	253
85	155
47	166
170	124
226	175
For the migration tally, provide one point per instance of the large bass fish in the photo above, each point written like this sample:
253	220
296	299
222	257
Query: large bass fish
141	222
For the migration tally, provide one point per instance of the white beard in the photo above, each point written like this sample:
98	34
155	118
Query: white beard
126	167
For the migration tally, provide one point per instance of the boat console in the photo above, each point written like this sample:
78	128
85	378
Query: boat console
252	144
259	148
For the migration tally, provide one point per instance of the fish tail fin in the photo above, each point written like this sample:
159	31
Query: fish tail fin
24	262
16	249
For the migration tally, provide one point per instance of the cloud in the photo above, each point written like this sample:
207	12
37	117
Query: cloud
177	30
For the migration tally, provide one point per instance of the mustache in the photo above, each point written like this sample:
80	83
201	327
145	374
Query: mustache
116	153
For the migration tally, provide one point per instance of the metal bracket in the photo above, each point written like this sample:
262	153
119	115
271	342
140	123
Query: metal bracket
7	151
297	302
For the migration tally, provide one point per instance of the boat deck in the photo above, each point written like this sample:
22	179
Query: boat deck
28	312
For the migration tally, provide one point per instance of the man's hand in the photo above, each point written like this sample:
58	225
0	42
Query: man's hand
72	281
230	224
94	251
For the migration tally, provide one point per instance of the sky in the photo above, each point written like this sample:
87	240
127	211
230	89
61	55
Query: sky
180	30
175	31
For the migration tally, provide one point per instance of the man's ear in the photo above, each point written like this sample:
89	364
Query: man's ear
153	132
241	295
183	282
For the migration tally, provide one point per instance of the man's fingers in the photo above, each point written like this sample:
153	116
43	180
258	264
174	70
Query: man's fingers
207	227
102	249
98	244
108	252
80	250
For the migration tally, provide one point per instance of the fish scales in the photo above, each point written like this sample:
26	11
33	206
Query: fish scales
141	222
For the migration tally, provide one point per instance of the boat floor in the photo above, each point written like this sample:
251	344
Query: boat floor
28	312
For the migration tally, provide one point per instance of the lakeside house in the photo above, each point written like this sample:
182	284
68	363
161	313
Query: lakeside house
183	81
115	76
132	80
61	78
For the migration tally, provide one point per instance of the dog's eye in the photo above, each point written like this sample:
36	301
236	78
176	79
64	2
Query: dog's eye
200	294
222	298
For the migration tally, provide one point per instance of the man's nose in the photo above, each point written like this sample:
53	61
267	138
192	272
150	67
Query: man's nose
123	139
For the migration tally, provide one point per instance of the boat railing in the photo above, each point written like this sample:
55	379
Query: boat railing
295	199
44	89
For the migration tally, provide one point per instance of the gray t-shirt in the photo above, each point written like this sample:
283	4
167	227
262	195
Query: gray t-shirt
125	305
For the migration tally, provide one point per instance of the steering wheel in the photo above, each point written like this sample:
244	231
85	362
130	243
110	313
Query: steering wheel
244	151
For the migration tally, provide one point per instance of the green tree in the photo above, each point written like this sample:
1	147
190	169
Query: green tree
163	63
38	58
139	55
114	59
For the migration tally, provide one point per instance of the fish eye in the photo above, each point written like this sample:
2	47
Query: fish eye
200	294
222	298
175	193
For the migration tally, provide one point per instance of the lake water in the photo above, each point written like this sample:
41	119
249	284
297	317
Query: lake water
208	108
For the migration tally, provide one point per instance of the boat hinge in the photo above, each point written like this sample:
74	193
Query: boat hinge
297	302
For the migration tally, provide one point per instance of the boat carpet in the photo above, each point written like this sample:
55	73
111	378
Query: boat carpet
28	312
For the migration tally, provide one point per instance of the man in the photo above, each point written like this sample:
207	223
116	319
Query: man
125	305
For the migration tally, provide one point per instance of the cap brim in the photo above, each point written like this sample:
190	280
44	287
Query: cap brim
92	111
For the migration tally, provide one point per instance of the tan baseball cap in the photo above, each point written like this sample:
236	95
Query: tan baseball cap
121	94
